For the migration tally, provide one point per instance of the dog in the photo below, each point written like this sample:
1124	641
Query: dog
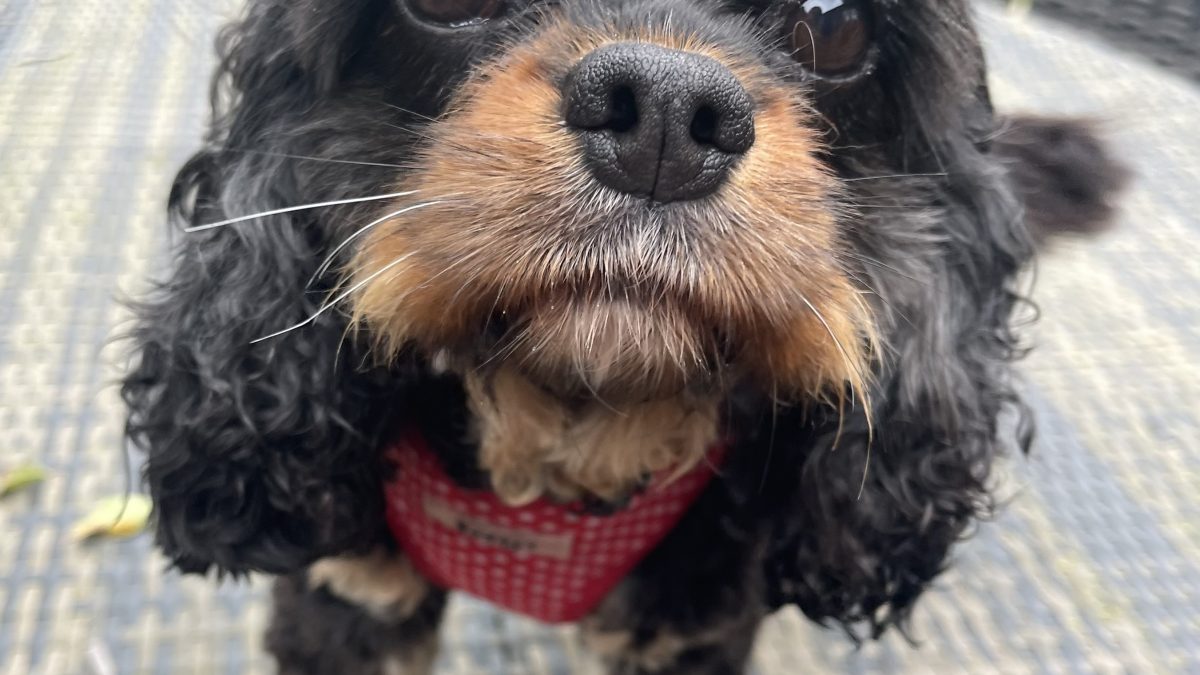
733	281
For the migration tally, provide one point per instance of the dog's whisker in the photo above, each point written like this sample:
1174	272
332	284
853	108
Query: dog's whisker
332	303
872	261
337	354
309	158
507	351
841	348
293	209
406	111
581	371
858	383
329	259
867	288
896	176
812	40
420	133
862	206
374	276
466	283
762	483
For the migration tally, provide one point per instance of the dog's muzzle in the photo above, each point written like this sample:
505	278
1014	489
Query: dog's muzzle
658	122
647	212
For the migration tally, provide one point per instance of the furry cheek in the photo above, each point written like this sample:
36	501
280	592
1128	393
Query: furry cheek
509	251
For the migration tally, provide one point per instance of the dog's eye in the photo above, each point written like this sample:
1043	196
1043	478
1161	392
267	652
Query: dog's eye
830	37
458	12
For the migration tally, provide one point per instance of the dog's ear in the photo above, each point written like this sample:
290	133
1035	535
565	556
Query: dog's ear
865	523
260	456
869	510
296	43
1064	173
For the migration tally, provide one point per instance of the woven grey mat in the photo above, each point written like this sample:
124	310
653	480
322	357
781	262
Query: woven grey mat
1095	566
1164	31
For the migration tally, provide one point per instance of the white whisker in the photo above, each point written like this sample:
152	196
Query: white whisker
324	267
291	209
329	305
327	160
841	415
812	40
941	174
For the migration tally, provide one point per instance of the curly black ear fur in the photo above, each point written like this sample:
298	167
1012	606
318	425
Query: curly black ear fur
1064	173
872	515
261	456
864	521
295	43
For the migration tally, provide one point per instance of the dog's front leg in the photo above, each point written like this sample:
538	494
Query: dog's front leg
692	607
356	615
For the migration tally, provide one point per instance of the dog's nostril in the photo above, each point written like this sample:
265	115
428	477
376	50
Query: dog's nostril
704	126
624	109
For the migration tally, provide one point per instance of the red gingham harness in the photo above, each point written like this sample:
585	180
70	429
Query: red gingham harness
545	560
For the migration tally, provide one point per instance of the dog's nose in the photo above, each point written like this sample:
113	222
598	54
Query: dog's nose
658	122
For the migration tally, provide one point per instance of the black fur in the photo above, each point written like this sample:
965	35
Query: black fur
265	457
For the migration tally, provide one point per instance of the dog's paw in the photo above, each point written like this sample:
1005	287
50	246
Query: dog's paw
384	584
634	650
722	650
633	639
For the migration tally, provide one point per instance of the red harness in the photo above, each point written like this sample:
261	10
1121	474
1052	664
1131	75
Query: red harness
545	560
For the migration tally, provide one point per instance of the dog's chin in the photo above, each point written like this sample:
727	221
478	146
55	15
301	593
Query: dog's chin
623	342
616	350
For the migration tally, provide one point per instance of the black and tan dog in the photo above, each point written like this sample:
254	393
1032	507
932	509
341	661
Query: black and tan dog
574	244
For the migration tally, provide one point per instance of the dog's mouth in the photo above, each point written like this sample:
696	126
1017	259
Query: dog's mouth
512	249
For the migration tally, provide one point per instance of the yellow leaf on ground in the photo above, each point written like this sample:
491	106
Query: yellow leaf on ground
120	516
21	478
1020	8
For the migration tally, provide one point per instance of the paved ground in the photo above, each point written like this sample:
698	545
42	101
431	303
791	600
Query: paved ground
1095	567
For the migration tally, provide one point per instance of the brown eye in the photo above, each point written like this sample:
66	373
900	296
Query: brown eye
831	37
458	12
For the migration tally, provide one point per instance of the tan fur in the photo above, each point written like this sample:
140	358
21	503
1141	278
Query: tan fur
532	445
384	584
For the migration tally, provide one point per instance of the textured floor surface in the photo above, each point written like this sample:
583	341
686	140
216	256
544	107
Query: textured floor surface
1164	31
1095	567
